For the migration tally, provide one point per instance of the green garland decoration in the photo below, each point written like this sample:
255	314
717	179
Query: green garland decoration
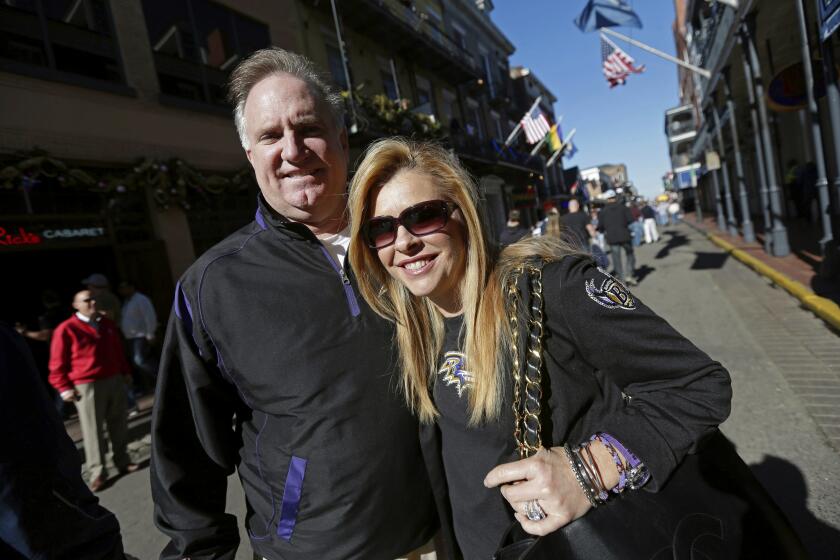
172	182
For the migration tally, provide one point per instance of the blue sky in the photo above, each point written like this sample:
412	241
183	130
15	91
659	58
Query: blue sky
620	125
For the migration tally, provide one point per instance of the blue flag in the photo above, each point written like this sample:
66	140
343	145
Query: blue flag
607	13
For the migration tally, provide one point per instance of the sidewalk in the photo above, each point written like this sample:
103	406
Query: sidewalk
797	272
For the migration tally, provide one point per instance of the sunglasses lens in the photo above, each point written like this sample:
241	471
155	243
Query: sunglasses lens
380	232
424	219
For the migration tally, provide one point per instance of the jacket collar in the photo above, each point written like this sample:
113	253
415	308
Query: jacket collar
268	218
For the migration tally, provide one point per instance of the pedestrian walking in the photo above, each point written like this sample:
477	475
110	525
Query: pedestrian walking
514	229
88	367
46	510
614	220
139	324
636	230
108	304
273	365
649	224
579	226
674	212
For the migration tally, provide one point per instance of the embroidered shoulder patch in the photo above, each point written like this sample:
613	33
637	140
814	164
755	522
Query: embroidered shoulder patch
452	372
611	293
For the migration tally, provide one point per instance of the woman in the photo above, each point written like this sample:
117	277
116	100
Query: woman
623	385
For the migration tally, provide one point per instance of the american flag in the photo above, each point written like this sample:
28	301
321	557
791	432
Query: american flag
535	125
617	63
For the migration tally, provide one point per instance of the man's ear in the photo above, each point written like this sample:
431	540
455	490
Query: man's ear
249	155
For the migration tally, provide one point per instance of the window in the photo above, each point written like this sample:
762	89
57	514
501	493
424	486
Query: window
448	113
336	66
425	102
497	126
196	43
459	36
488	75
474	125
65	37
389	80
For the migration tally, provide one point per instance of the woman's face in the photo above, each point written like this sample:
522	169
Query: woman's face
431	265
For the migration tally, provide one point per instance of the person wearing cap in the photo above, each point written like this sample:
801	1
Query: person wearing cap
106	302
87	366
614	220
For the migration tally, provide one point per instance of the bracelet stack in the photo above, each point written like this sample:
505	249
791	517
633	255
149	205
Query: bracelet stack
588	475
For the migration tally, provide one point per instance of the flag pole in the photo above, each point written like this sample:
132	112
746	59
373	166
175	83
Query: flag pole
702	71
562	147
516	130
538	146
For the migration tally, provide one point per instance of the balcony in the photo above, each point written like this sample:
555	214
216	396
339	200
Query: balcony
412	34
714	26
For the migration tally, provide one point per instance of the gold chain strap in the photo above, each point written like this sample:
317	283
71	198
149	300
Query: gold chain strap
527	427
512	293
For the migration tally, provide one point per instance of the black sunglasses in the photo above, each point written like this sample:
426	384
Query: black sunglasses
421	219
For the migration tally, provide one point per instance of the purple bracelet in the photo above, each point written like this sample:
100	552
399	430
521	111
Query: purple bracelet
638	474
619	466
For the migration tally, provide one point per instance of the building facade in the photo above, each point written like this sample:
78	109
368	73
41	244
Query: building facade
116	132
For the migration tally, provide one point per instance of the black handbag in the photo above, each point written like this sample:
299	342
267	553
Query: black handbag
712	507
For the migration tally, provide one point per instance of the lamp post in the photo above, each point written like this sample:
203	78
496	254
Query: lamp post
780	246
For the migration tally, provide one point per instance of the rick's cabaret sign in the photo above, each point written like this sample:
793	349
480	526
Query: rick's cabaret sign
14	236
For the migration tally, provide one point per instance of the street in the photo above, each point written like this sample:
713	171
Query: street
785	367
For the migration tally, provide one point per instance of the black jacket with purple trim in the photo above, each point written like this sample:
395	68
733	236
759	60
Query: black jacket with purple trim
272	366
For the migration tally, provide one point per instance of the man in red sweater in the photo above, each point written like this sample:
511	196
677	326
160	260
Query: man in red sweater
87	365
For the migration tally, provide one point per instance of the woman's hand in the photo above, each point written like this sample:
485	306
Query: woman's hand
546	477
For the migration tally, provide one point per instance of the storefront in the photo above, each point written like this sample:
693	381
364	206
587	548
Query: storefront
52	237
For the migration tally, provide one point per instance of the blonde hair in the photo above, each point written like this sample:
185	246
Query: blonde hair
419	324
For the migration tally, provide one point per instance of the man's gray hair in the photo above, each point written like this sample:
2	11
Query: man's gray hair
264	63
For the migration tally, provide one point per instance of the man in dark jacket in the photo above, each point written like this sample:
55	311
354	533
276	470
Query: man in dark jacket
274	366
614	220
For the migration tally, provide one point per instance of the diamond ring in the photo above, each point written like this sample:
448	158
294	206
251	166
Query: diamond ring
534	511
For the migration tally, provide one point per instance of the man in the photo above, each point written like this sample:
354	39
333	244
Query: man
46	511
106	302
87	365
649	223
514	230
274	366
581	230
614	220
139	323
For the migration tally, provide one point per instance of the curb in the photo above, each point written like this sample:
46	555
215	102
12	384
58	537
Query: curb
824	308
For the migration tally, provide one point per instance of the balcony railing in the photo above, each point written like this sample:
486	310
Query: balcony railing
411	32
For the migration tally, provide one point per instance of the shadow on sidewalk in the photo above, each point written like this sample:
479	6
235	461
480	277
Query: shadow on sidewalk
676	240
786	484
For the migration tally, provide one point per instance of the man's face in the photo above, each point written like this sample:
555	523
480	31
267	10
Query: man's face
299	154
85	303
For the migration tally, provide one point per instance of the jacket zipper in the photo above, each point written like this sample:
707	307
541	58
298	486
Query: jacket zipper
352	302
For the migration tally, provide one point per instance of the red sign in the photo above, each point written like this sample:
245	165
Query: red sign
21	237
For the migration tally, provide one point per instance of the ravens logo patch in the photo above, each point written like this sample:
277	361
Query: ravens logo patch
452	372
611	293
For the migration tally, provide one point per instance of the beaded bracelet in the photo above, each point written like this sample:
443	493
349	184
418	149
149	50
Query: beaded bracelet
579	477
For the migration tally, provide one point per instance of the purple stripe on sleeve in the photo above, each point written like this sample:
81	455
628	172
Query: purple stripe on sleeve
291	498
